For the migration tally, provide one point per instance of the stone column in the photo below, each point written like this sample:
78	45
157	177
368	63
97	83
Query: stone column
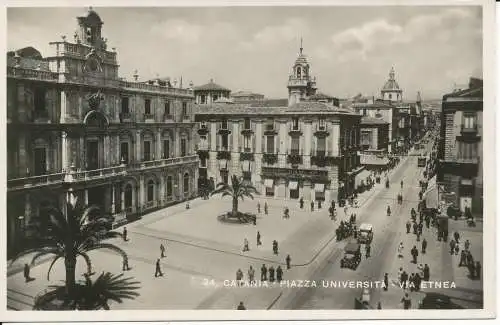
235	154
335	136
27	209
138	145
107	152
113	195
86	197
122	192
307	143
213	136
177	143
158	144
162	200
142	198
180	187
64	106
282	138
21	103
23	157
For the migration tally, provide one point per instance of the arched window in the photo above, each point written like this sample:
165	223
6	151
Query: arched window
128	196
390	96
151	190
186	184
299	74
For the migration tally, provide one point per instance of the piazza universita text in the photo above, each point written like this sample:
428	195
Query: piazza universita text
337	284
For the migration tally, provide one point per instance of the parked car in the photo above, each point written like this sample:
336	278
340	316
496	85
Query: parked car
352	256
365	233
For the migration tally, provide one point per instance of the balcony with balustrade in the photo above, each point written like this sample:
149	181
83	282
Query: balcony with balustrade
322	158
295	130
294	157
223	153
161	163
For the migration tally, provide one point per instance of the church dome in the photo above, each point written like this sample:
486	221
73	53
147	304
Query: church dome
391	84
91	17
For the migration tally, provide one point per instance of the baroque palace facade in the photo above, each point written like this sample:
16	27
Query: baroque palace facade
75	130
305	149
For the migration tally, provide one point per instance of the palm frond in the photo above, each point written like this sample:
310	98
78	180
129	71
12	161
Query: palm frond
87	261
111	247
52	264
43	252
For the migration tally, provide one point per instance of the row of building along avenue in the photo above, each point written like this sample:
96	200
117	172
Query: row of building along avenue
76	129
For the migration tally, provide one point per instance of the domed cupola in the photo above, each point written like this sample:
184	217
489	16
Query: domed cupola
391	90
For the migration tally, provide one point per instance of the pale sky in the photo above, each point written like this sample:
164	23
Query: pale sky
350	49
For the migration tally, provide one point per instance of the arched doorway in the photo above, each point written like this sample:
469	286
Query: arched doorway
151	191
128	197
185	186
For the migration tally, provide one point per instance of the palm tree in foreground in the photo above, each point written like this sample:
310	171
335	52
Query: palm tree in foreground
92	295
239	189
70	234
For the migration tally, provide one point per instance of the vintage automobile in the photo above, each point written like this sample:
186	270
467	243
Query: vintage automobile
365	233
352	256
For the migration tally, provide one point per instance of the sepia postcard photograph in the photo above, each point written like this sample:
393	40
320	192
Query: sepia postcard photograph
224	160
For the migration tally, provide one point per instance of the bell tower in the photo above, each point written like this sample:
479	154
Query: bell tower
90	26
300	83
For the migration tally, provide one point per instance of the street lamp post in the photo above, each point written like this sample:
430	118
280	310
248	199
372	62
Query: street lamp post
20	231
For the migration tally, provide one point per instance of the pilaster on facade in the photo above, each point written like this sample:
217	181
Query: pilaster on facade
282	138
335	140
307	143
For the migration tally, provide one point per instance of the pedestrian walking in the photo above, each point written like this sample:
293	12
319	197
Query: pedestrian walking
125	266
258	207
251	274
400	272
239	277
424	245
406	301
279	274
478	271
158	271
457	249
162	250
319	204
414	254
401	183
265	208
388	211
412	282
463	258
418	236
386	282
467	245
427	272
400	250
241	306
124	234
456	236
312	206
301	202
452	247
288	260
408	226
367	249
271	273
263	273
417	280
404	279
258	239
379	305
415	228
245	245
27	277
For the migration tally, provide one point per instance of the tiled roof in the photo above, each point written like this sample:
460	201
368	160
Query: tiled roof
377	104
319	95
211	86
255	108
368	120
244	94
475	90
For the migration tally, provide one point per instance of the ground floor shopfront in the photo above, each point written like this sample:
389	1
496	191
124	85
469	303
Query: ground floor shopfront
125	196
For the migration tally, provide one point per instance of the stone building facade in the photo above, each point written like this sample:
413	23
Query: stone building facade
210	93
75	130
460	150
304	149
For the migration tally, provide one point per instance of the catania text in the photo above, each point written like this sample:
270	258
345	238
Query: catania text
334	284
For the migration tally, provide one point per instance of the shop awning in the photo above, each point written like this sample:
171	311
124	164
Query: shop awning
246	164
466	181
431	194
362	176
319	187
293	185
268	183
